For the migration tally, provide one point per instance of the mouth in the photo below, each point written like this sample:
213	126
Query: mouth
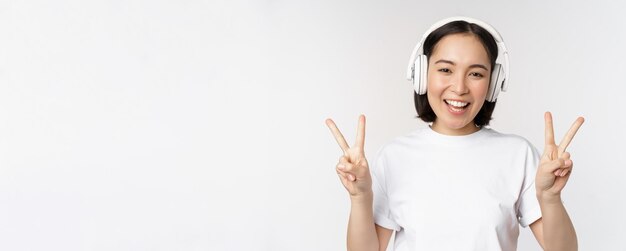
456	107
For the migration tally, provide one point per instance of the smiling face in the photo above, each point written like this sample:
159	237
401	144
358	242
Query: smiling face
458	79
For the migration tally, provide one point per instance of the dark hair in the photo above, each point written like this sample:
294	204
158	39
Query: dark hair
424	111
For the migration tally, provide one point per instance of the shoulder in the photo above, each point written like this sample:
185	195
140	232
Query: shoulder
507	140
409	140
398	151
492	134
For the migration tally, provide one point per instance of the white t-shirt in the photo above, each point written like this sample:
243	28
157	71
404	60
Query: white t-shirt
443	192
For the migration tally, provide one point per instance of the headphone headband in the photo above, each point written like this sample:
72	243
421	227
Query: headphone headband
502	51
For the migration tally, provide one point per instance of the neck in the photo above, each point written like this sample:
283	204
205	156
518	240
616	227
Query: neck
466	130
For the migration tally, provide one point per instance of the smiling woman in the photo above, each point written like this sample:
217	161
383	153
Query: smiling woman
458	80
481	42
457	185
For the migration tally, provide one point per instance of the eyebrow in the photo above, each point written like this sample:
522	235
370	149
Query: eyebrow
452	63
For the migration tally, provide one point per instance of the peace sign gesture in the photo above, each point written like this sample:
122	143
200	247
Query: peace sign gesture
555	166
352	167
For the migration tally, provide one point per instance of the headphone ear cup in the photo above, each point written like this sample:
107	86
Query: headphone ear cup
495	84
423	74
417	75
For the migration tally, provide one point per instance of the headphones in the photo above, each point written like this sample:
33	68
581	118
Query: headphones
418	64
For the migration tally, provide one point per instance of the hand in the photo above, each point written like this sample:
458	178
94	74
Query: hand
555	166
352	168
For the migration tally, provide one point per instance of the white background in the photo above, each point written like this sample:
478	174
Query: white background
199	125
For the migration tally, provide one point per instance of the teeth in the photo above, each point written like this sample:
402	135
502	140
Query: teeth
456	109
456	103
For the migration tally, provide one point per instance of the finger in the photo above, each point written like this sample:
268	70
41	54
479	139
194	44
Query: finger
549	151
567	164
549	130
345	167
553	165
570	134
344	159
565	156
341	167
343	176
562	172
568	170
346	175
338	136
360	133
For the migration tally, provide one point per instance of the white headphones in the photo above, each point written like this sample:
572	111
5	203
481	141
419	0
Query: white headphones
418	64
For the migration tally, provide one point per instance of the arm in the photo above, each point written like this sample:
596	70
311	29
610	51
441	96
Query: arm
363	234
384	235
353	171
558	230
537	228
554	231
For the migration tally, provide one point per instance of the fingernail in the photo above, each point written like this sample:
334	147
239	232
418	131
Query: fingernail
340	166
564	173
351	177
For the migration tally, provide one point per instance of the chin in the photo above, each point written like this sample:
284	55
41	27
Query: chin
458	125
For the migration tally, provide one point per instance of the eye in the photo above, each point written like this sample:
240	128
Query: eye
476	74
445	70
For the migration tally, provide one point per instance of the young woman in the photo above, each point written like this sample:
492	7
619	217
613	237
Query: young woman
457	185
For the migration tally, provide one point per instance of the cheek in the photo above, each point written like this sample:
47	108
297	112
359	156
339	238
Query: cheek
479	93
480	89
434	91
478	106
435	84
431	99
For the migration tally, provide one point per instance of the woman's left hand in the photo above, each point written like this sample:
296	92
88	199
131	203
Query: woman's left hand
555	166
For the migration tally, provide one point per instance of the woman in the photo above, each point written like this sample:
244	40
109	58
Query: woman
457	185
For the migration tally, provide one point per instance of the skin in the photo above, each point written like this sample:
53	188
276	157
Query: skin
555	231
459	70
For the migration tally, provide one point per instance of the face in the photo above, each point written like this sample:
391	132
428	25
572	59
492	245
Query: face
458	80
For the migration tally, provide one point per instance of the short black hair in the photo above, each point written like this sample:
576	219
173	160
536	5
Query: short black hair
424	111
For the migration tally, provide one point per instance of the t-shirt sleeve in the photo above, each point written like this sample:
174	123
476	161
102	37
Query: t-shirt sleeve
528	210
382	211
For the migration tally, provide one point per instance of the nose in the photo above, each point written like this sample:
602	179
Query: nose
459	85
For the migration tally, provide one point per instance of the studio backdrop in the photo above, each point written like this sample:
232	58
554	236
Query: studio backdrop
199	125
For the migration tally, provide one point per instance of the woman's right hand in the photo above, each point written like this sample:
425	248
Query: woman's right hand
352	167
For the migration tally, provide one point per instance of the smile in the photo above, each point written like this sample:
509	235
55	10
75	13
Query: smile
456	106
